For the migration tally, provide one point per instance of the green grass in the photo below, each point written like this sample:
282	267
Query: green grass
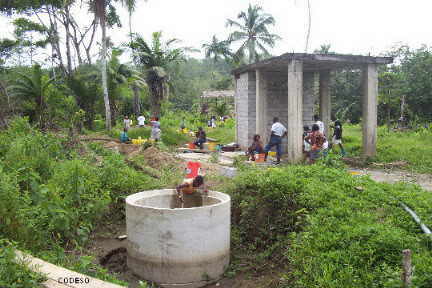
415	147
317	227
16	274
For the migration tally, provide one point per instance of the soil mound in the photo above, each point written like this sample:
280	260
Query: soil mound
156	158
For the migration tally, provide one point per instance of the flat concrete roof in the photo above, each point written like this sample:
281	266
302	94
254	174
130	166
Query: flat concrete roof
314	62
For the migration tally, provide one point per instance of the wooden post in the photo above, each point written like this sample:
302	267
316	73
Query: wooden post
406	268
261	107
325	100
370	98
295	111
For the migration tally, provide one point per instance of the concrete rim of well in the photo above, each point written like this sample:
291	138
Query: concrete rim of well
131	199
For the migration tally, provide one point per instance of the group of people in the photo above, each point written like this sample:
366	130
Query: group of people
127	123
315	142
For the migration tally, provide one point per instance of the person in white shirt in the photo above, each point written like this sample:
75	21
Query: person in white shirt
277	132
127	123
320	124
141	121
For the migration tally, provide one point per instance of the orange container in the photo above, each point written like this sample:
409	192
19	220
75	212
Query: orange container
191	146
260	158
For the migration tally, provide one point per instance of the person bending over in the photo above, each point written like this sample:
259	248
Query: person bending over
188	192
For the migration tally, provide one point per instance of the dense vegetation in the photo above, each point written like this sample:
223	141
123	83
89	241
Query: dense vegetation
54	192
313	226
328	228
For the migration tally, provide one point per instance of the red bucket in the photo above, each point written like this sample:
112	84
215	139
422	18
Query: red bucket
192	169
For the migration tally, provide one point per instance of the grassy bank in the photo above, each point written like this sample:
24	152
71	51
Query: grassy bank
412	146
54	191
325	228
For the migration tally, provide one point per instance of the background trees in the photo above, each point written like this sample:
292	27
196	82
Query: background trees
154	59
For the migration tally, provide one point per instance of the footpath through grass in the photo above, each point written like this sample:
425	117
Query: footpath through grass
415	147
326	228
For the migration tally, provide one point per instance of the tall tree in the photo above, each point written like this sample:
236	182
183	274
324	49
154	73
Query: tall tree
155	59
253	32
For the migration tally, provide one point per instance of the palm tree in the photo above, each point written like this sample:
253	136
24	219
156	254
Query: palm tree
100	10
253	32
154	59
215	49
32	88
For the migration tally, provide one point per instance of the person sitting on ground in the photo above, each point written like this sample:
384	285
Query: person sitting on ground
257	147
156	131
316	139
337	136
201	138
188	191
124	136
141	121
127	123
320	124
277	132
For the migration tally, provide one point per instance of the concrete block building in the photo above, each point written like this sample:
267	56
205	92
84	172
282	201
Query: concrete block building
283	87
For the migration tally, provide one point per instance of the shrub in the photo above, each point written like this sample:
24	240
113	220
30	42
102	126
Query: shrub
13	273
334	229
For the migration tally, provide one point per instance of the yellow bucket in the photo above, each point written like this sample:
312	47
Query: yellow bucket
272	153
212	146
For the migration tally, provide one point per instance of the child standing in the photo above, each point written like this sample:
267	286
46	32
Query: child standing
337	136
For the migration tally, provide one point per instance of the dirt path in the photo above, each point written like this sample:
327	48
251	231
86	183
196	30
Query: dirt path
393	176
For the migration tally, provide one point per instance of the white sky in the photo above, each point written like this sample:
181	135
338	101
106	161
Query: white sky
350	26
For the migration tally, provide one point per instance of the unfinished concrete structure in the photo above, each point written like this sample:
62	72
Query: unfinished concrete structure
283	87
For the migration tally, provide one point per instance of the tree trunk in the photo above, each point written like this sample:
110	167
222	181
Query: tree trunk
136	103
251	51
104	74
156	96
68	48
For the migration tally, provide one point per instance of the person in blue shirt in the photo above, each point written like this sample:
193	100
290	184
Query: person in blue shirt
124	136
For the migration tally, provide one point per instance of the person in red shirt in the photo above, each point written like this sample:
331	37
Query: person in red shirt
316	139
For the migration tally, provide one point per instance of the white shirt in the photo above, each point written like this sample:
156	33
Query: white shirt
321	126
141	120
278	129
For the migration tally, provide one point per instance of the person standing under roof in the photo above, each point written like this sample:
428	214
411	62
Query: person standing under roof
277	132
320	124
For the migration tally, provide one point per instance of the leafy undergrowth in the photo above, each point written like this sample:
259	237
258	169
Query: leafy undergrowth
413	146
52	193
326	228
13	273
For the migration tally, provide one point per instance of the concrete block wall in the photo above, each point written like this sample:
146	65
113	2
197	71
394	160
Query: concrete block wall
309	80
276	100
246	110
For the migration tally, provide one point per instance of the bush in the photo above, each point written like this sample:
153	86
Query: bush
334	229
13	273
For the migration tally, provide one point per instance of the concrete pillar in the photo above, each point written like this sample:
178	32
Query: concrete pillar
295	111
325	100
370	98
261	105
